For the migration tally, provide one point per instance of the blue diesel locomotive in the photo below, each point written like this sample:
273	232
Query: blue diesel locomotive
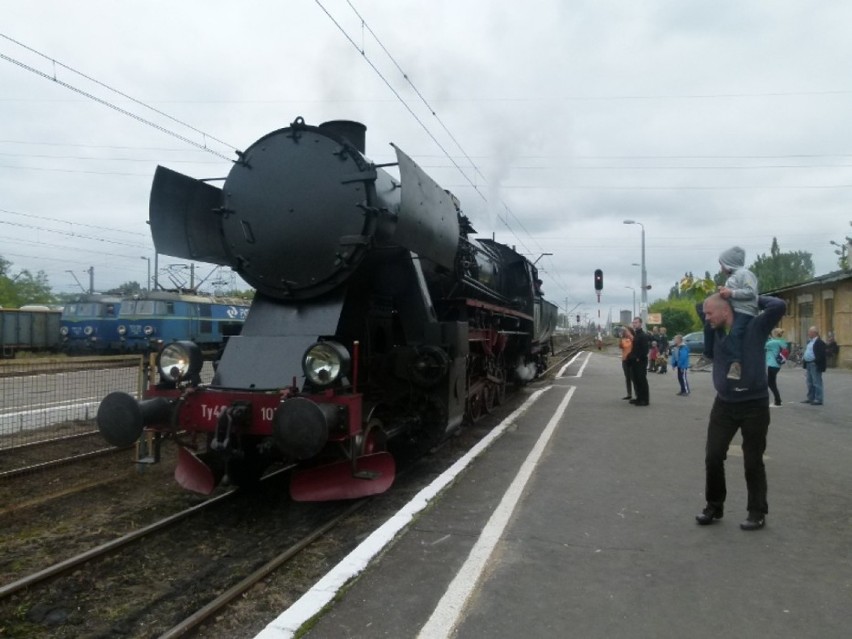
147	322
89	324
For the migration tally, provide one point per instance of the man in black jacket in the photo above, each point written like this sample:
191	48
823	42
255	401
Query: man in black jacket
639	364
813	361
740	404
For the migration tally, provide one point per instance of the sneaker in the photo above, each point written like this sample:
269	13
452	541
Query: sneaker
709	515
735	372
703	362
754	521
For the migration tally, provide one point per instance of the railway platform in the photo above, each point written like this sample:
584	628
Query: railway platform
579	521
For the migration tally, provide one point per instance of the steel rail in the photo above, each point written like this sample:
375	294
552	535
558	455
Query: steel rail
105	549
201	615
115	544
61	461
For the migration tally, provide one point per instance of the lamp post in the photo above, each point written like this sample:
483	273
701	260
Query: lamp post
539	257
643	307
634	299
149	271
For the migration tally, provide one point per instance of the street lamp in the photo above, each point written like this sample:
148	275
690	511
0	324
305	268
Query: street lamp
540	256
643	307
634	299
149	271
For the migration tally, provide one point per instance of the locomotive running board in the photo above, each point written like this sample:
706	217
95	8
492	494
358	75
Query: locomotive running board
375	474
193	474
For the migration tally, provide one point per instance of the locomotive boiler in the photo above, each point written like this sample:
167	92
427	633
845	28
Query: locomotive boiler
377	317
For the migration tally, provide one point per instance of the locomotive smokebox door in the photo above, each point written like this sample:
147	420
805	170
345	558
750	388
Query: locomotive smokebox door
295	213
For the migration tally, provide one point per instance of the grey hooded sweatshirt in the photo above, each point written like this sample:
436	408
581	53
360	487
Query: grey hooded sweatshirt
742	282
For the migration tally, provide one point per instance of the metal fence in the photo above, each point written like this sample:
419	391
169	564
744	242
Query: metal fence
44	399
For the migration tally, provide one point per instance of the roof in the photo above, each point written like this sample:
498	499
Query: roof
828	278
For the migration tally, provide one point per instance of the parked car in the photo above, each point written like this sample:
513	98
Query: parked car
694	342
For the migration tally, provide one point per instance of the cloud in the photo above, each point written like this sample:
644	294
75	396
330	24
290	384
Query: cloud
711	123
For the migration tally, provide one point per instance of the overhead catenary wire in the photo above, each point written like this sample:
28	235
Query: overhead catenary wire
99	227
112	106
446	129
116	91
399	97
418	119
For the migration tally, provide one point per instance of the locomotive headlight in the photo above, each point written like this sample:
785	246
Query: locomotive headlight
122	329
325	362
148	330
88	330
179	360
63	330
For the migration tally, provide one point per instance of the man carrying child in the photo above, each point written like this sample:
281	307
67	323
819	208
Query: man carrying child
741	291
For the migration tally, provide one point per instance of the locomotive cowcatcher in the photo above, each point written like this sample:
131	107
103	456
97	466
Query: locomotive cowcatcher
376	316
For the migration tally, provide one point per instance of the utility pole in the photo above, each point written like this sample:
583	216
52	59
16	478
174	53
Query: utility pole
91	272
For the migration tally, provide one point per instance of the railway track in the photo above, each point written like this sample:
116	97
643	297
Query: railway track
197	618
569	351
152	576
177	576
61	461
65	566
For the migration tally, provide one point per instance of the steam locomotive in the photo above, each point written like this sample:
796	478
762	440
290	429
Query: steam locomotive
377	317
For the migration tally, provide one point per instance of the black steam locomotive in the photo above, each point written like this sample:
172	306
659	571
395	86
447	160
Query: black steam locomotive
376	316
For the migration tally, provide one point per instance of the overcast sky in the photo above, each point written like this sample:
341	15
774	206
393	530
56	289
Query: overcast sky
711	123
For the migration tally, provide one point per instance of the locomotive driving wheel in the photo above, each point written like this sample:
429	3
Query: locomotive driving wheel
475	406
489	397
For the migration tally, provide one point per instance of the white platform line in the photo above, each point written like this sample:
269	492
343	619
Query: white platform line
574	359
449	609
583	367
312	602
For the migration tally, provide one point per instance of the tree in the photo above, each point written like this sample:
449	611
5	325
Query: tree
778	269
678	315
773	271
23	288
125	290
843	252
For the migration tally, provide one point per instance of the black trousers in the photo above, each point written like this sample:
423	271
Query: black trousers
640	380
771	376
726	418
628	376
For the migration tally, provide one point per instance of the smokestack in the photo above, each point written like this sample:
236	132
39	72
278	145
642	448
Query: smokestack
354	132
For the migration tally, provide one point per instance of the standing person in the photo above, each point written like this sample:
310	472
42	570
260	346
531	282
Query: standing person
626	345
774	346
740	290
653	353
742	405
814	362
639	364
832	350
680	362
663	342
